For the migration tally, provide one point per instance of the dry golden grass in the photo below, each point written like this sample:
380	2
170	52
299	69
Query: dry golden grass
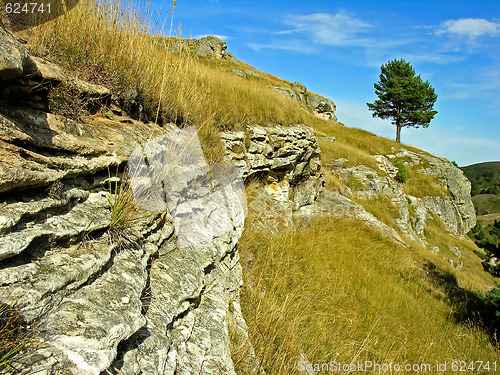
112	38
382	208
472	276
112	45
421	185
337	291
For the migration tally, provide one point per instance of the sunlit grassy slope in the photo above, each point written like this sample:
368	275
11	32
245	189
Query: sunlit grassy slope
334	290
337	291
108	43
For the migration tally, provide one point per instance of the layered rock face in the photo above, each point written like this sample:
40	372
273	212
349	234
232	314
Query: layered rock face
158	294
141	294
454	209
321	106
131	298
286	159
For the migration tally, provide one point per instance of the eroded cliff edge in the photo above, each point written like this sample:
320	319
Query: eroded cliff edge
104	297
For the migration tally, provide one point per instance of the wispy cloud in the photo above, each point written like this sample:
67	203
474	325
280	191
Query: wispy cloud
293	46
331	29
486	86
470	28
434	57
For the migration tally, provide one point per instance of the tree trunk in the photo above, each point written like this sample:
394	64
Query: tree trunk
398	133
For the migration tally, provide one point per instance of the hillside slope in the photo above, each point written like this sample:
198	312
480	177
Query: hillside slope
337	261
485	177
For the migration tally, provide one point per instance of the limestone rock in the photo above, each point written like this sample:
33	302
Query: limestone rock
299	87
331	138
288	156
289	94
322	107
91	90
456	251
455	210
14	59
239	73
94	211
211	46
132	299
252	73
48	70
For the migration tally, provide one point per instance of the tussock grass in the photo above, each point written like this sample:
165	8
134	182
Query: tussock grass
15	334
338	291
112	38
420	184
382	208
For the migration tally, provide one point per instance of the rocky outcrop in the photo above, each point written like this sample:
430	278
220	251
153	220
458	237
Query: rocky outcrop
159	292
207	46
142	295
322	107
211	46
299	87
285	159
14	59
454	207
319	105
130	298
290	94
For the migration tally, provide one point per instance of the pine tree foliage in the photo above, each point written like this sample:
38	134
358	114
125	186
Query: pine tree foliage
403	97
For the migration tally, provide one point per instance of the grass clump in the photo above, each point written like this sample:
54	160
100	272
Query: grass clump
337	291
14	336
123	209
401	175
420	184
114	40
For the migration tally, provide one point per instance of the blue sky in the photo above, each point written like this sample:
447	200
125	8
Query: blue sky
336	49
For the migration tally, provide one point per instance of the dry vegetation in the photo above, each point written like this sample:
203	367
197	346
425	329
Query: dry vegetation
337	291
110	43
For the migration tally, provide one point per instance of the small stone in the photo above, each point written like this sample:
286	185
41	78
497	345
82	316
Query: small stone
456	251
434	249
239	73
253	73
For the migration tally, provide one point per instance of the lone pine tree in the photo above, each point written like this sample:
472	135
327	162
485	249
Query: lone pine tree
403	97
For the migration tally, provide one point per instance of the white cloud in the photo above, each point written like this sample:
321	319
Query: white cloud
470	28
293	45
486	86
330	29
436	58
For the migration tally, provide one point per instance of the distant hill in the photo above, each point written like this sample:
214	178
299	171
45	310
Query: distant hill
485	181
484	177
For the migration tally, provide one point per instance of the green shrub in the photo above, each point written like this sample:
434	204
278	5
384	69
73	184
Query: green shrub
401	176
492	298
